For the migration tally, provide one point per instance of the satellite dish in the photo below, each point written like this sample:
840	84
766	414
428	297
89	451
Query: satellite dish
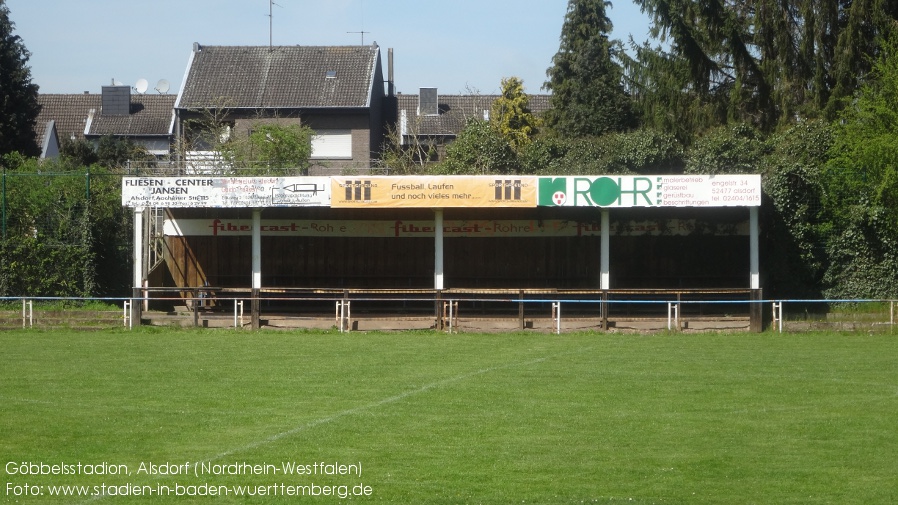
117	83
162	86
142	86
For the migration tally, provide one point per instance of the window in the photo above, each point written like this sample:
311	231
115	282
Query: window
332	144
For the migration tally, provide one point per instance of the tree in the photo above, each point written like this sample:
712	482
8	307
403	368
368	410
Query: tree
406	154
865	153
713	60
543	155
260	145
863	26
760	62
861	181
479	149
588	98
206	131
273	147
117	152
53	243
793	224
510	113
78	152
18	95
736	149
635	152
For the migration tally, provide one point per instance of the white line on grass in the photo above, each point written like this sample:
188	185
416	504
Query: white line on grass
369	406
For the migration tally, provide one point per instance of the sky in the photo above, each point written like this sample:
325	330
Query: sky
459	47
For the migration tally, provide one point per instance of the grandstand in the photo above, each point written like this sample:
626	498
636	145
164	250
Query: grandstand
611	249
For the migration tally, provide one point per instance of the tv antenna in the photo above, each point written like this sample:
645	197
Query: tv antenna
362	32
271	5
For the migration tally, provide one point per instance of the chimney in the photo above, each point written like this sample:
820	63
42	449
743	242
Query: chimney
390	89
116	100
428	103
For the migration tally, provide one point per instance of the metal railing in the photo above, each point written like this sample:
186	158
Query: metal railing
421	309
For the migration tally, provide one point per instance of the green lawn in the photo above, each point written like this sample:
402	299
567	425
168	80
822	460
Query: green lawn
467	418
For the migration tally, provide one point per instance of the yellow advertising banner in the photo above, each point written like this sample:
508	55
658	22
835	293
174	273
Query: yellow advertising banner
433	191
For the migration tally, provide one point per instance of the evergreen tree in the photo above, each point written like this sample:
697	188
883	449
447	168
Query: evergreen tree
18	96
863	27
587	95
761	62
511	114
712	66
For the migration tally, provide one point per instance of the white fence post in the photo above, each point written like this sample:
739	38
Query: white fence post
450	311
341	313
556	316
238	305
673	315
778	315
27	313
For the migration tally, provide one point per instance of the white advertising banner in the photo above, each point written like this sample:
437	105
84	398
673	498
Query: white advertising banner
226	192
651	191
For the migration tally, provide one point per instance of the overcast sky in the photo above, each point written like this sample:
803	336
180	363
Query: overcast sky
459	47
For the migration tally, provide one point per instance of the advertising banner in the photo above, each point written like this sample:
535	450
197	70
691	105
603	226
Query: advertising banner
226	192
433	192
444	191
451	228
651	191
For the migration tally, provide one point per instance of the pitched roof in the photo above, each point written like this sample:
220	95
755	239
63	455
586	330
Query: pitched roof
68	111
151	115
455	111
280	77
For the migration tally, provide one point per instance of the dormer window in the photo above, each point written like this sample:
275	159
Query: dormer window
331	74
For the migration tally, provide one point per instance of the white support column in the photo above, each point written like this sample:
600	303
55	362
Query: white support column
257	249
257	267
137	282
754	262
605	266
438	249
137	265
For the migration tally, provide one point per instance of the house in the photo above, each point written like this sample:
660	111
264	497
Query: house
146	120
337	91
436	120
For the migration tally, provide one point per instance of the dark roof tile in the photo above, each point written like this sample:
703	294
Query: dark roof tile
151	115
455	111
70	113
280	77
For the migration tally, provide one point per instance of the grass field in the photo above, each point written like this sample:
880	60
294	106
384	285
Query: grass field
421	418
